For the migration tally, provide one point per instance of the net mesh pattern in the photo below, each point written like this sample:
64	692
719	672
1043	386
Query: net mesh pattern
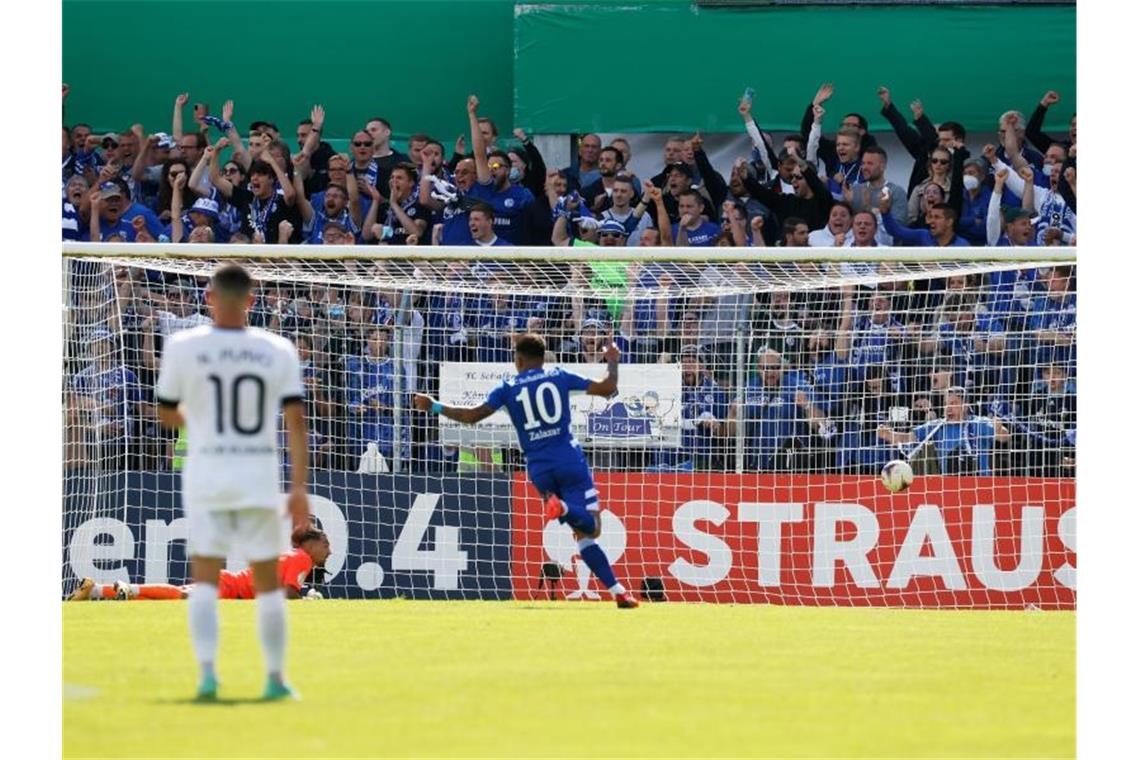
754	396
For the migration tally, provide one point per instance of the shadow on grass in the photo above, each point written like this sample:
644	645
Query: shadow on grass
221	701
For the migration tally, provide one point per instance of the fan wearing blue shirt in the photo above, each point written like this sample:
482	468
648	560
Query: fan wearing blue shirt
940	218
649	319
538	402
865	405
109	394
77	209
693	230
586	171
493	185
975	201
1019	229
108	213
497	321
370	381
70	221
778	408
826	369
1010	291
1052	209
132	210
112	387
703	408
879	335
449	200
963	445
1053	318
448	315
456	225
481	223
333	204
973	341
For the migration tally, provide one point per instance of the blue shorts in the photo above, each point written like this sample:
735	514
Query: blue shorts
574	485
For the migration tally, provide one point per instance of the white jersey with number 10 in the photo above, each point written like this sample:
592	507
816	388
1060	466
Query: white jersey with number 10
231	384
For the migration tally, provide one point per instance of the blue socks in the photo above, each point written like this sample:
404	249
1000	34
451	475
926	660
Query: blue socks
580	519
599	565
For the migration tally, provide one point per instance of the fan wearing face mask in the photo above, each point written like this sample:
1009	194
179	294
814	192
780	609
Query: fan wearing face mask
975	201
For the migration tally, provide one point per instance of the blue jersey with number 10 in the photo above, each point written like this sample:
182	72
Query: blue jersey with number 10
538	402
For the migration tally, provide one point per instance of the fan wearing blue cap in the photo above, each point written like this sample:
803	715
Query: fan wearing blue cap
611	232
198	225
113	214
573	230
107	221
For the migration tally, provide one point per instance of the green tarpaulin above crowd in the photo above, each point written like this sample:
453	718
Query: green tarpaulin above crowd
553	68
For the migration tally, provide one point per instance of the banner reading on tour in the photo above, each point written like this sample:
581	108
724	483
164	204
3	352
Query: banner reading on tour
815	540
646	412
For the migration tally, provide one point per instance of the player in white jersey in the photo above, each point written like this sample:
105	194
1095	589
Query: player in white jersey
225	383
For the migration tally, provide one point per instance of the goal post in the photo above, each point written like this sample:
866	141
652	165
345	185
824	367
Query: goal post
761	392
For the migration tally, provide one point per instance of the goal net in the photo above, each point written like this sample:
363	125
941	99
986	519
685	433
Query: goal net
760	396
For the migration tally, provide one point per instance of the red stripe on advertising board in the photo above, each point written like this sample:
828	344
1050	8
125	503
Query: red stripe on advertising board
960	542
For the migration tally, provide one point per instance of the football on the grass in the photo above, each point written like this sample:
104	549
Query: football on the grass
897	475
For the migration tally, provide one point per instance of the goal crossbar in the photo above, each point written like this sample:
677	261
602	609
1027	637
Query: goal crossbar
1053	254
631	272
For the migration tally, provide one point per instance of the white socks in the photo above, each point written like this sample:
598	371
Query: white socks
203	611
203	607
271	631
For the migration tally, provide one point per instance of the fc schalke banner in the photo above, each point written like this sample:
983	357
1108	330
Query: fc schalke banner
646	412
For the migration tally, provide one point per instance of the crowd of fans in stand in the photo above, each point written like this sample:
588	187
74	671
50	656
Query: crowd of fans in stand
983	365
177	187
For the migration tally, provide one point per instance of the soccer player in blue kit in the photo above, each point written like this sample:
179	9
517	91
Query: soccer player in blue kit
538	402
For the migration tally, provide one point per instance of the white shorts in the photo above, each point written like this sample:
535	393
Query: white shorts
252	535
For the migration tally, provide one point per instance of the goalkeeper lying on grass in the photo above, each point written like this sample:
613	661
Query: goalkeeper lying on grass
310	549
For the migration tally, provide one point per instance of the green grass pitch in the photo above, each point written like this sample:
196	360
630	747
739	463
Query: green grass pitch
507	679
